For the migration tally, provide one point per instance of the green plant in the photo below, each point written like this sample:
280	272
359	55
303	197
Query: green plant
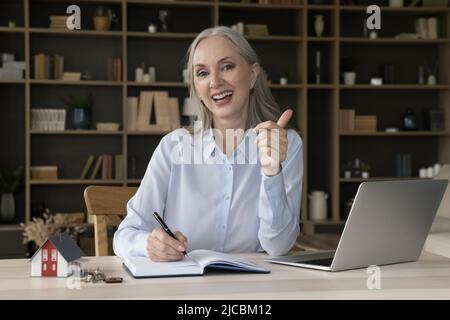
10	180
365	167
84	102
103	11
348	64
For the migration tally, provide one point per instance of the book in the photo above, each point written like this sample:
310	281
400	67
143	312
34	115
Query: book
97	167
87	166
195	263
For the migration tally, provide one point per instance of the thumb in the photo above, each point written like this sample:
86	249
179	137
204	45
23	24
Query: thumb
285	117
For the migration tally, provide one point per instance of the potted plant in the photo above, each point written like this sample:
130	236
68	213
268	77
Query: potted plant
349	70
9	183
365	170
348	170
81	110
103	16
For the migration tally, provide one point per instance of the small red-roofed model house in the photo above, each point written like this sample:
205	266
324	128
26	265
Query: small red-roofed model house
56	257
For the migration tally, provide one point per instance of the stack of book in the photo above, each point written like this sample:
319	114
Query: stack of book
366	123
48	66
58	22
403	165
346	120
114	69
102	166
430	27
48	119
256	30
71	76
153	111
44	172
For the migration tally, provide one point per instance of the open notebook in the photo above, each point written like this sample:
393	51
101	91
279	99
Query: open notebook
194	264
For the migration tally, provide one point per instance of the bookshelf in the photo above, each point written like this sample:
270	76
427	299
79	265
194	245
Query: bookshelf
290	47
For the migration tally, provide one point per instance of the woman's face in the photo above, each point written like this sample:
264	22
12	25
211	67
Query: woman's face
222	77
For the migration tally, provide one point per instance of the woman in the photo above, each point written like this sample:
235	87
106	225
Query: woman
234	184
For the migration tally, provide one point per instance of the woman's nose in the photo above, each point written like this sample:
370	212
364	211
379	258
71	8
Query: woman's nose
216	80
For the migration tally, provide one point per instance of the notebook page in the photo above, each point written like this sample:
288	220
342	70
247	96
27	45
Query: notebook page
144	267
209	257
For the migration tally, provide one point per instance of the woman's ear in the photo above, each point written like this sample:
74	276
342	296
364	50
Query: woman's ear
255	70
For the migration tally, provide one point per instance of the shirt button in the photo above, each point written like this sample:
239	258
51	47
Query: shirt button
227	197
229	168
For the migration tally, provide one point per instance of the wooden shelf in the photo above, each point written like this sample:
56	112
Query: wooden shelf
75	182
322	39
66	32
77	83
161	35
274	38
133	180
286	86
148	133
12	30
10	227
397	134
156	84
237	5
394	87
380	41
325	86
12	81
412	10
77	132
171	3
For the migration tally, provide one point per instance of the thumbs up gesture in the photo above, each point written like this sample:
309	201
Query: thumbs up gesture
272	142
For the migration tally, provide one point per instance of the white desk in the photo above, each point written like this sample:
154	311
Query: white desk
429	278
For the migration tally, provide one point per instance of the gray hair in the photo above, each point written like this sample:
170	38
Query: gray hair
262	105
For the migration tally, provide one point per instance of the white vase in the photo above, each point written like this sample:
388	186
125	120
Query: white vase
7	207
318	205
349	78
396	3
319	24
365	175
431	80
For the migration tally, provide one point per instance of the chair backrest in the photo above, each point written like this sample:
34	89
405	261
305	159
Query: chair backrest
108	205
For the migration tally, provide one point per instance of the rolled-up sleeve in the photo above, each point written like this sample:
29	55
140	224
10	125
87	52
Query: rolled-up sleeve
131	237
280	199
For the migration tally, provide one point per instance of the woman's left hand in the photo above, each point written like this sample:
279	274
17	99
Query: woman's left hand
272	142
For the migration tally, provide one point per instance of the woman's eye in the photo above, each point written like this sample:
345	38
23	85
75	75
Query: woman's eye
201	73
228	67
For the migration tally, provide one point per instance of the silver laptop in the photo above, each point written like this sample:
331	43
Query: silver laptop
388	223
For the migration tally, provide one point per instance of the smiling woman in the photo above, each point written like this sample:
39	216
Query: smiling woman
238	199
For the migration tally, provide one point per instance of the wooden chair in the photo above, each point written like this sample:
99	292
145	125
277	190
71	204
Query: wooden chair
108	205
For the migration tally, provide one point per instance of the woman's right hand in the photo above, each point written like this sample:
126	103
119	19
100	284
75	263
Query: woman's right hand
162	247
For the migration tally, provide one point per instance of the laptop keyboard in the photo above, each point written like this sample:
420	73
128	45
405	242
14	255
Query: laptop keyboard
320	262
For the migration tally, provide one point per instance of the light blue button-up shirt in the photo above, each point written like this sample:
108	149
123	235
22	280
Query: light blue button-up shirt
218	203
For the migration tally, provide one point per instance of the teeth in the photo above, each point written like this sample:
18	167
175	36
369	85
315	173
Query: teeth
222	95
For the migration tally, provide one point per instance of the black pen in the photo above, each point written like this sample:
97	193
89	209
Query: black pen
165	227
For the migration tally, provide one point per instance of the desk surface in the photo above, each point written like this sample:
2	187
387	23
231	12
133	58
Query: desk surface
428	278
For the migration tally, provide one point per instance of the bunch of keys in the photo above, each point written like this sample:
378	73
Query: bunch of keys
97	276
